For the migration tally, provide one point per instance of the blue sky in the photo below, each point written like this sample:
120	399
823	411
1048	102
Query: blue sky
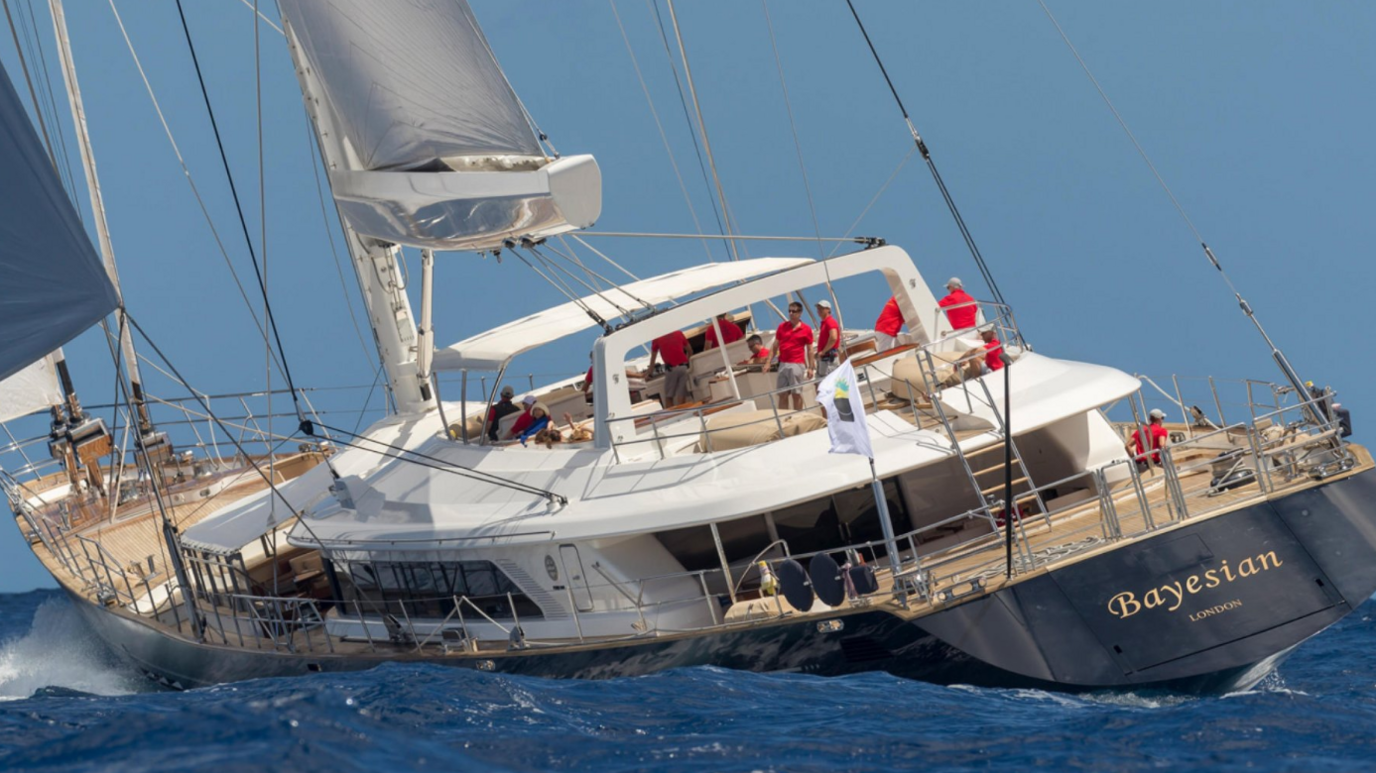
1258	114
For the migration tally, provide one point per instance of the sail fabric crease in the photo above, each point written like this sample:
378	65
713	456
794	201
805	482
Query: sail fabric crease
412	81
52	283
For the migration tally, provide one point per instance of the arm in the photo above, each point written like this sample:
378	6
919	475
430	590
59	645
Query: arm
811	357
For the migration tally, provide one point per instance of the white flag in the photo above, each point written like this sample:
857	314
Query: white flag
840	395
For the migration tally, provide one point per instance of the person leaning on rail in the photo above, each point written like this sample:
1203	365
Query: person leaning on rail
887	327
961	309
1160	438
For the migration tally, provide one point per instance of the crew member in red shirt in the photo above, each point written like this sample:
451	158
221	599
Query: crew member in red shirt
793	345
672	347
889	323
759	353
960	308
524	420
984	359
1156	430
828	340
730	332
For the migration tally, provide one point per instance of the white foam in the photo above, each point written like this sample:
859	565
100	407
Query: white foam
60	651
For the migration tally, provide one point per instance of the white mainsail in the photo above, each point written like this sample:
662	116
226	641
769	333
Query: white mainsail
52	283
438	151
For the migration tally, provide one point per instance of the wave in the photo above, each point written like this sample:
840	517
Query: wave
59	655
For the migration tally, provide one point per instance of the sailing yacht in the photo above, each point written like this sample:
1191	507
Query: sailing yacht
1002	532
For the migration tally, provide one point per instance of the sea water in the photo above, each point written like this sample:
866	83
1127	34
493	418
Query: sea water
66	705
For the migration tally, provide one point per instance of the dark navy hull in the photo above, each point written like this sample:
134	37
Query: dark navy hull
1208	606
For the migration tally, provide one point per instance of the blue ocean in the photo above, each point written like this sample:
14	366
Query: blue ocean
66	705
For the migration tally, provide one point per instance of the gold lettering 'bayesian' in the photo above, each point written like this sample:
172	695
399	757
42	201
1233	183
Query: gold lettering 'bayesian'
1172	595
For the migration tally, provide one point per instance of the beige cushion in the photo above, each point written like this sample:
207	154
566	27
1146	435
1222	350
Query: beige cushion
742	429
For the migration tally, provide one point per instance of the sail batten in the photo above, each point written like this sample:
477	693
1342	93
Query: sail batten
52	283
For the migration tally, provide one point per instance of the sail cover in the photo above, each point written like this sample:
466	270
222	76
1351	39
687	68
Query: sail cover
52	284
412	81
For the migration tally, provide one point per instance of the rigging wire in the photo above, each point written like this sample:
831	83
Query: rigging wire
190	180
931	166
243	222
37	43
567	292
875	199
442	465
554	265
263	245
663	137
334	249
687	117
793	125
702	127
1281	361
33	95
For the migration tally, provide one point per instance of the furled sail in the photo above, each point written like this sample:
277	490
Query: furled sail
52	283
437	149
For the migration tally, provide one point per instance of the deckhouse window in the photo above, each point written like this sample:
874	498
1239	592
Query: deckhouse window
429	588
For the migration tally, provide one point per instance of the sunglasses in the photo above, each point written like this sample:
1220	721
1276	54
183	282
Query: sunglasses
795	311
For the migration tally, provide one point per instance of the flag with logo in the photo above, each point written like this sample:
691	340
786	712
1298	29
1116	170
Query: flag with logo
840	395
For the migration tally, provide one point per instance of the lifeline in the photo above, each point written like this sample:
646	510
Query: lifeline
1125	604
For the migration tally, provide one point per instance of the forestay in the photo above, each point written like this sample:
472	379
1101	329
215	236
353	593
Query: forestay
494	348
52	283
438	151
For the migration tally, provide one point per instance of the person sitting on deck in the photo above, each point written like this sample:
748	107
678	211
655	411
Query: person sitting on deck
1156	430
793	343
503	408
960	308
539	420
673	348
984	359
730	332
759	353
888	325
523	420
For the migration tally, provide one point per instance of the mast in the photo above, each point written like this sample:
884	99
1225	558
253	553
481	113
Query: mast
374	261
107	250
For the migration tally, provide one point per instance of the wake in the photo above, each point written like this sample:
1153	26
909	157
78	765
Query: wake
59	656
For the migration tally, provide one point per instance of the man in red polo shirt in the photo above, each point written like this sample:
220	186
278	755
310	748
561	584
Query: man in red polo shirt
828	340
672	347
887	326
960	308
730	331
1156	430
793	345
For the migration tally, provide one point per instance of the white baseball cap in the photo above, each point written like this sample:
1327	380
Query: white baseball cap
955	282
1157	413
823	304
528	400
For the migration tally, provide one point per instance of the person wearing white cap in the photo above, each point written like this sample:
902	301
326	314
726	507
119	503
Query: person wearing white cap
961	309
524	420
828	340
1156	430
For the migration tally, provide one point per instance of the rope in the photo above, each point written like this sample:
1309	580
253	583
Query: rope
687	118
612	286
186	171
663	137
33	94
567	292
243	222
931	166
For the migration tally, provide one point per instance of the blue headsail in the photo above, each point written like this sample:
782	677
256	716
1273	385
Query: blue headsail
52	283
